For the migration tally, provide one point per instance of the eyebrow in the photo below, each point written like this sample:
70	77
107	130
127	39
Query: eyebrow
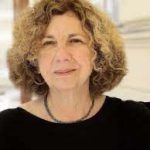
70	36
49	36
74	34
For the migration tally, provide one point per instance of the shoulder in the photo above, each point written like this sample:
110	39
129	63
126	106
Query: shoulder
11	128
8	122
130	106
8	118
132	115
8	114
13	115
134	118
135	109
130	112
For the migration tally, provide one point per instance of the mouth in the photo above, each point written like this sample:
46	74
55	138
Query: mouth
64	72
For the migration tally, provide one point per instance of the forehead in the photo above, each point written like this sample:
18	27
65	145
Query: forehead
67	22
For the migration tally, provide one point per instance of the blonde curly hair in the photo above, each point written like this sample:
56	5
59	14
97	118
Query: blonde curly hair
109	58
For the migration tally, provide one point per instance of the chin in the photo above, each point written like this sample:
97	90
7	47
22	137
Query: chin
64	86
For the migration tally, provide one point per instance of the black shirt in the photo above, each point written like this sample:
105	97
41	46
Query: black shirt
118	125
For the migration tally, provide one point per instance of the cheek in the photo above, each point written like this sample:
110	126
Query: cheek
84	59
44	63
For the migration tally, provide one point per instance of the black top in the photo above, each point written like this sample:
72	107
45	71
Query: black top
118	125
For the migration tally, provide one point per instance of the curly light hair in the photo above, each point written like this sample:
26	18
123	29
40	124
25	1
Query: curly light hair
108	60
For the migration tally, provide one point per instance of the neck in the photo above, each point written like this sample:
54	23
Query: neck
69	105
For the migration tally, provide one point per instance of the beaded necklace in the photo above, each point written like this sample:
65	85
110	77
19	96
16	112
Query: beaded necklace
63	122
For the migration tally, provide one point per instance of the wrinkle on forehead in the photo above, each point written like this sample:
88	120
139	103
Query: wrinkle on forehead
62	25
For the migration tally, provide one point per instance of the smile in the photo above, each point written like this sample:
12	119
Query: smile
64	72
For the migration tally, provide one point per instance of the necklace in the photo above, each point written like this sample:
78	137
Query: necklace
63	122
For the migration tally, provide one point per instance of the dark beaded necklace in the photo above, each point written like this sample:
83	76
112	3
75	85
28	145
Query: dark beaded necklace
63	122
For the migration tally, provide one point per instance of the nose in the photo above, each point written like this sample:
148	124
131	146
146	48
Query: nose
62	54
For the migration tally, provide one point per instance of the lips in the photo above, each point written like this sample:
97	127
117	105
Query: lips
64	71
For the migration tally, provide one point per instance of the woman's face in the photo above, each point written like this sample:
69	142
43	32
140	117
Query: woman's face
65	58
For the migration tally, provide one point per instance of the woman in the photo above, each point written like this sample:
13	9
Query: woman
69	53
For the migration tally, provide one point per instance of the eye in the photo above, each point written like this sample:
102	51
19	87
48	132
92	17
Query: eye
76	41
49	43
